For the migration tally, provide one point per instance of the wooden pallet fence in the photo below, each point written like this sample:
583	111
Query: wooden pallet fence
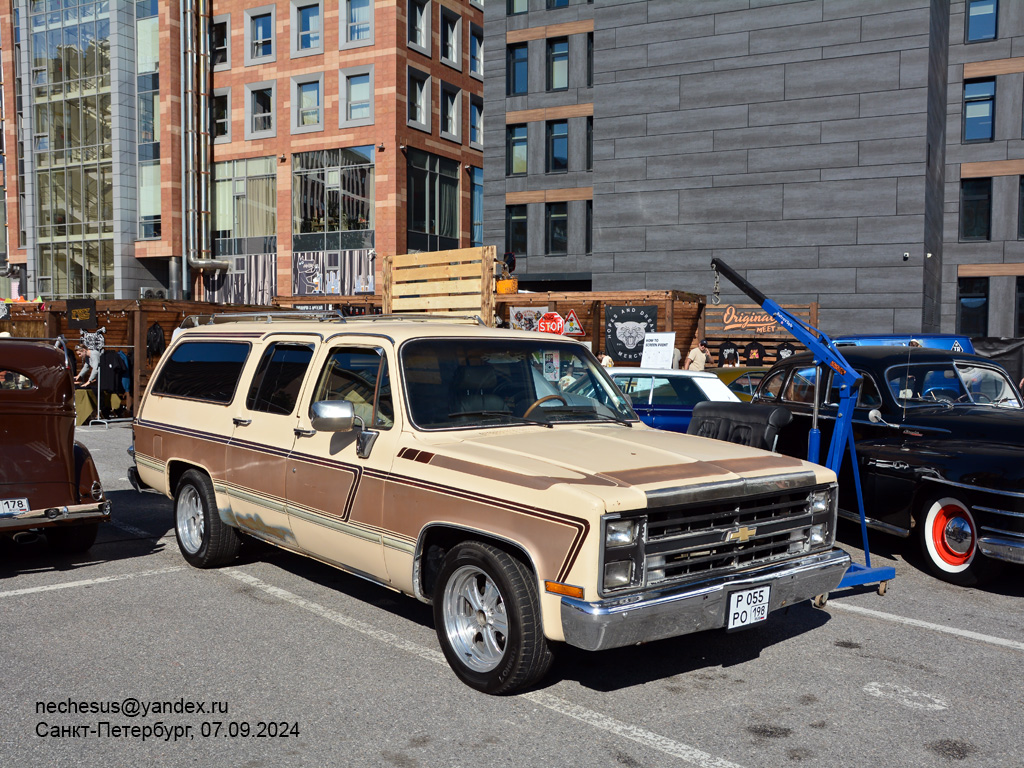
456	282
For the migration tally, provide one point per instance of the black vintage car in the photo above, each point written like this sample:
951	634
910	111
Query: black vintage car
940	443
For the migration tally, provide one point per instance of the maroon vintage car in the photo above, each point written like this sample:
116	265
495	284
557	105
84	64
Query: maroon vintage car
48	482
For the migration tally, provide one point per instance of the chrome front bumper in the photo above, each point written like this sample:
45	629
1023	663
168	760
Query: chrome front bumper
694	607
98	511
1010	550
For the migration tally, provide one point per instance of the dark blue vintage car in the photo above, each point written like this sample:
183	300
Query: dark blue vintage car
940	443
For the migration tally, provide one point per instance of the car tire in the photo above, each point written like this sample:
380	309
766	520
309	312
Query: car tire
487	616
948	536
72	539
203	538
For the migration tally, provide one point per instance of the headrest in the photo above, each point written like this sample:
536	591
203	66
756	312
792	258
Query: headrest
475	378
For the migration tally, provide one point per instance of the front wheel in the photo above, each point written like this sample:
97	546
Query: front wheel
949	542
487	616
203	538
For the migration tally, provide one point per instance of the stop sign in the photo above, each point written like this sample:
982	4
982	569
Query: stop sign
551	322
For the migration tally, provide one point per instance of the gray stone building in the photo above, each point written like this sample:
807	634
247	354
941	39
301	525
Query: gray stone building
815	145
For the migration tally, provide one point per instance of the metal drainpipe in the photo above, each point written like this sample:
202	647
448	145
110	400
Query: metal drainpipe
196	141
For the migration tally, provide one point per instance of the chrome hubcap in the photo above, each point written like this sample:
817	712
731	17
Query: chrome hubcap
474	619
957	534
191	523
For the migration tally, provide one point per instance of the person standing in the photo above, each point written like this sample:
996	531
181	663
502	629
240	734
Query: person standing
698	357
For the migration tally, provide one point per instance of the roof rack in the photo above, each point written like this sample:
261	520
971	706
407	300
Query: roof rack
194	321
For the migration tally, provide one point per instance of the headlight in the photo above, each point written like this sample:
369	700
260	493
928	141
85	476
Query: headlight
618	574
819	501
620	533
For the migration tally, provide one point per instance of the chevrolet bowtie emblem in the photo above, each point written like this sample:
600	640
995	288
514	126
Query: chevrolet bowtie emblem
740	534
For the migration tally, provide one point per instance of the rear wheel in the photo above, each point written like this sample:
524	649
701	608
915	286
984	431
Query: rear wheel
72	539
204	540
949	542
487	616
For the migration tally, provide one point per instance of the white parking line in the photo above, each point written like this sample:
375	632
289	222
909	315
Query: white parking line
642	736
89	582
908	697
990	639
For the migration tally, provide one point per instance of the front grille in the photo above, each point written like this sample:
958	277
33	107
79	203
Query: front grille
697	540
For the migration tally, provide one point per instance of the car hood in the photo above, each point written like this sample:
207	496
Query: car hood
968	422
607	466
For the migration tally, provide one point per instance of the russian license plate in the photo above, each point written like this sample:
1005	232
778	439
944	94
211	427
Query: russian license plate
748	606
12	507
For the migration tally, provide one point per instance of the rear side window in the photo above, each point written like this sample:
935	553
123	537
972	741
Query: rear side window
275	387
676	391
771	387
203	370
15	380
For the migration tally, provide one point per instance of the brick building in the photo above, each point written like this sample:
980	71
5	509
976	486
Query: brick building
235	151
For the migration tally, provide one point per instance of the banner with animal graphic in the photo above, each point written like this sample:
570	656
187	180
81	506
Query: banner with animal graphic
625	329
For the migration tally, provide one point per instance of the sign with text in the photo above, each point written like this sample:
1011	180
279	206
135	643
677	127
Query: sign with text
81	314
658	349
625	329
551	322
525	318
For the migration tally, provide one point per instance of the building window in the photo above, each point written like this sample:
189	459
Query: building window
979	109
590	143
518	69
972	306
1020	209
557	146
433	202
356	23
590	59
476	122
556	229
558	4
419	99
307	28
975	209
451	112
476	51
451	35
260	112
1019	324
244	205
476	207
307	103
419	26
515	229
356	96
220	42
259	34
590	226
333	204
220	116
514	7
149	200
558	64
515	150
981	20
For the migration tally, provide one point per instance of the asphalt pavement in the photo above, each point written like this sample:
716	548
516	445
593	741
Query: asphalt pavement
126	656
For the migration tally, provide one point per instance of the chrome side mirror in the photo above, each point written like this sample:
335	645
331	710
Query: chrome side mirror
875	417
333	416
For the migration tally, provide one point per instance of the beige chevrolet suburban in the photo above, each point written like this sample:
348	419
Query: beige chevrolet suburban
450	461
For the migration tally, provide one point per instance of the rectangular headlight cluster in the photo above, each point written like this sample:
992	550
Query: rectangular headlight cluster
623	552
822	506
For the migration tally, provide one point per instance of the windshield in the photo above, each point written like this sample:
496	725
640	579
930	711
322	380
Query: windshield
456	383
953	383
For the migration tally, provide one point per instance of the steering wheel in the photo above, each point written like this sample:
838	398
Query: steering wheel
544	399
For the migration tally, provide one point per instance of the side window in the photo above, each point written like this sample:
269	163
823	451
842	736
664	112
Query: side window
676	391
869	397
203	370
637	387
15	380
772	385
801	386
275	387
359	376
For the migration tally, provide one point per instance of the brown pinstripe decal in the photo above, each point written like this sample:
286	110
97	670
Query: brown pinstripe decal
668	472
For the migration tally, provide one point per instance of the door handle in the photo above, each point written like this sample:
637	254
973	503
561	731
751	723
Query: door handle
304	432
241	422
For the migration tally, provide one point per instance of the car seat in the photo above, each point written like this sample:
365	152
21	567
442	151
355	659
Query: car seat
473	390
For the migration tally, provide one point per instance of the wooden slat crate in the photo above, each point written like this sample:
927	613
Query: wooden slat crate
457	282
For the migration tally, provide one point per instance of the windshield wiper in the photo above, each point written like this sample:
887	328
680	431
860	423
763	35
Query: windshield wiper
592	412
501	415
